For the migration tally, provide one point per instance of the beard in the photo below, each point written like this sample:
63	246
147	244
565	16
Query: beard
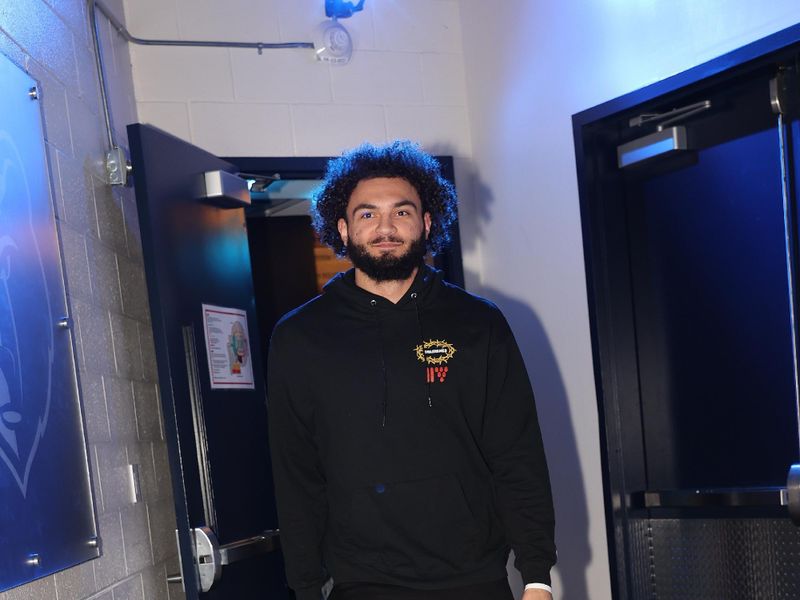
386	266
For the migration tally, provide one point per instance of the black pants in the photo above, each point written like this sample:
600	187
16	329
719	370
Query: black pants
495	590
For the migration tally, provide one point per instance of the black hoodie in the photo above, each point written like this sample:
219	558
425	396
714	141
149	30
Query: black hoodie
405	443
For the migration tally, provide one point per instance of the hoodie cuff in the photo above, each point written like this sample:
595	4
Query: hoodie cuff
309	593
536	573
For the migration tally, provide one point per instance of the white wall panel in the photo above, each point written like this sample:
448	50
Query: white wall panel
153	19
239	20
443	80
282	76
418	26
379	78
228	129
440	129
172	117
327	130
177	73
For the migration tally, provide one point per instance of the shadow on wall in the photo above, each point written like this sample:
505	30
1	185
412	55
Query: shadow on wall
569	495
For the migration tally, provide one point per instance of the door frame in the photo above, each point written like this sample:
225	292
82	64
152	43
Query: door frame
605	258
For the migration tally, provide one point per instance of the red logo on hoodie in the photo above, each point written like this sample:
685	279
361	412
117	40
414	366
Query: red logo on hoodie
434	373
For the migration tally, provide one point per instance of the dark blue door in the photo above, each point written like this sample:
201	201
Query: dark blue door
210	370
713	318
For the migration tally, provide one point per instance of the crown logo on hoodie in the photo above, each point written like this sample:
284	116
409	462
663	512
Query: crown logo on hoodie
435	352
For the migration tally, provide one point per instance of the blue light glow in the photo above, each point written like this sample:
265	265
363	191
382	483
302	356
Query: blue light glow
645	152
342	9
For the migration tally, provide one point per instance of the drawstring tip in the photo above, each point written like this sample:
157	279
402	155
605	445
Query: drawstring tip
430	405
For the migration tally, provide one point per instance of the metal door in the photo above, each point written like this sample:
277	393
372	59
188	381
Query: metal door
214	403
689	209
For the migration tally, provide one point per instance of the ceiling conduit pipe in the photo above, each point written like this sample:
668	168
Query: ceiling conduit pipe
117	165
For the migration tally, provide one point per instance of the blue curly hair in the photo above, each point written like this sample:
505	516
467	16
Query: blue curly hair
400	158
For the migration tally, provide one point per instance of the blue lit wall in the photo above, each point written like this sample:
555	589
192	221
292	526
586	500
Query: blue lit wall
102	256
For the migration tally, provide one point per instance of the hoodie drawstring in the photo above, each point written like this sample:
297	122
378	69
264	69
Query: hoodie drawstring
422	343
373	303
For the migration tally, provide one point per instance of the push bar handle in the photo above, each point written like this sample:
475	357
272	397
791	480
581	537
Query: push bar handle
269	541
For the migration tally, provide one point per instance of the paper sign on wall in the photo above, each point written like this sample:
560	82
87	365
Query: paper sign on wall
230	363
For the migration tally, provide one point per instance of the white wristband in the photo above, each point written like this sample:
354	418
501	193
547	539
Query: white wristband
539	586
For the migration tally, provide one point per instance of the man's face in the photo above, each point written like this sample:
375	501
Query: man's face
385	229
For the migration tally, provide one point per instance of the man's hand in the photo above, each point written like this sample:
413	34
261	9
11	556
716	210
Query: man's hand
536	595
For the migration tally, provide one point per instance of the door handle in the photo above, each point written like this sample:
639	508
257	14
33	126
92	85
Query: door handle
210	557
269	541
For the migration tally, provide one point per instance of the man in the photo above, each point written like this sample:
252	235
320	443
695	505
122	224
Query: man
405	444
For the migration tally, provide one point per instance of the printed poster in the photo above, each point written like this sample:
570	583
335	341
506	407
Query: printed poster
230	363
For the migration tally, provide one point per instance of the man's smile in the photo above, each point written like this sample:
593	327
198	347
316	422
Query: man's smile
387	243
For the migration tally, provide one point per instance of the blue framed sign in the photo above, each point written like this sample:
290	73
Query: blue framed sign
47	520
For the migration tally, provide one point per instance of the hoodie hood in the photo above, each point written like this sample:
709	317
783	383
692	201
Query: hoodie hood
422	291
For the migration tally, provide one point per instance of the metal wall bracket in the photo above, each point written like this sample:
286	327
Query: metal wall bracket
118	167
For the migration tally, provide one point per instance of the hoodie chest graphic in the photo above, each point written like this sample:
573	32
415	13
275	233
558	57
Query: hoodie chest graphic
435	354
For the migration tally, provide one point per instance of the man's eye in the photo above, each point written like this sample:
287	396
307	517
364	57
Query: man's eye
402	213
366	215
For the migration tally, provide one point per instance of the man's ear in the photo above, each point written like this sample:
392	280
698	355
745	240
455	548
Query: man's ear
426	219
341	225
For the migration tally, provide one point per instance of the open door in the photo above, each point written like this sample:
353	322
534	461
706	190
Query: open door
689	204
210	371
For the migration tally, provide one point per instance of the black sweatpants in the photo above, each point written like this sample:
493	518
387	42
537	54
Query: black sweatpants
495	590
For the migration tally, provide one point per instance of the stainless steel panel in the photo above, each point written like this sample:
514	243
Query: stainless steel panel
714	559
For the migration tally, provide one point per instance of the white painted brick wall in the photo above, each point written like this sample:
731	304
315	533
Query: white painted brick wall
102	250
406	78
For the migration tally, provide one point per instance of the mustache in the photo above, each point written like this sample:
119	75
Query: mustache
387	238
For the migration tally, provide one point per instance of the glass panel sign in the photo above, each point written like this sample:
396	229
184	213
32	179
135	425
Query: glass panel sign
47	518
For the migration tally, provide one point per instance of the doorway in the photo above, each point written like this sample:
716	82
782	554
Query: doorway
201	268
688	205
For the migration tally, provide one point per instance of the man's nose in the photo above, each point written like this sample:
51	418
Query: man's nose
385	224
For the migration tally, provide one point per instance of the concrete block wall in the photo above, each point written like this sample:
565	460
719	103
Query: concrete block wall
99	232
406	77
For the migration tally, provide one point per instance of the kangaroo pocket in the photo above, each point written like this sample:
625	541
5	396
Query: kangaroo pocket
415	529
